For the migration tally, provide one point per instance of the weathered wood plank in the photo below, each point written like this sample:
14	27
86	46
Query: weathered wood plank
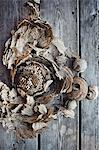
90	51
11	13
62	15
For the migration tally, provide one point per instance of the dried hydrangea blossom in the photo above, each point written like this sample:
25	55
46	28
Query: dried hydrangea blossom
44	85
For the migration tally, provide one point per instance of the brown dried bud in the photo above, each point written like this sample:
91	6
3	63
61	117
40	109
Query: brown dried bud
80	89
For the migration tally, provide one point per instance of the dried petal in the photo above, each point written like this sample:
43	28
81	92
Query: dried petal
47	84
17	108
12	94
62	49
68	81
42	109
38	125
72	105
27	111
37	1
68	113
30	100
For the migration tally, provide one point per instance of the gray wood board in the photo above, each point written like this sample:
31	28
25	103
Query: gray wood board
11	13
62	15
89	21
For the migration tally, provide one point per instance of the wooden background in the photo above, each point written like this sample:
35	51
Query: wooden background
77	23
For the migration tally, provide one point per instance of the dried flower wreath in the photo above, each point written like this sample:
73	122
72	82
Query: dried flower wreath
40	72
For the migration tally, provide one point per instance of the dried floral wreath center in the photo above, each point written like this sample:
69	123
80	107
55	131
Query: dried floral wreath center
40	73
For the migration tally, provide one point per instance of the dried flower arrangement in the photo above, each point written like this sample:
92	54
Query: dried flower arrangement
40	73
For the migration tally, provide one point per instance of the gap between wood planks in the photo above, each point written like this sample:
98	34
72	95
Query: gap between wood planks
79	51
39	138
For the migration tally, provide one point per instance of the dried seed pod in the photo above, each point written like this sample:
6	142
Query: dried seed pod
80	89
92	93
80	65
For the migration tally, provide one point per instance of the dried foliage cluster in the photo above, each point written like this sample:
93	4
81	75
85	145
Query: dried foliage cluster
42	71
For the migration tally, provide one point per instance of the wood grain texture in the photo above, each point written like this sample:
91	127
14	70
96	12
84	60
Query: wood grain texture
62	15
89	21
11	13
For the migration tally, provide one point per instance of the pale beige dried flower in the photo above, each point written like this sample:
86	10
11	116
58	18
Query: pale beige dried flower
93	92
80	65
72	105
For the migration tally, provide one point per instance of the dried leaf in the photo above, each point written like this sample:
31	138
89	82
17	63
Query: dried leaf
62	49
42	109
47	84
27	110
68	113
30	100
17	108
38	125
